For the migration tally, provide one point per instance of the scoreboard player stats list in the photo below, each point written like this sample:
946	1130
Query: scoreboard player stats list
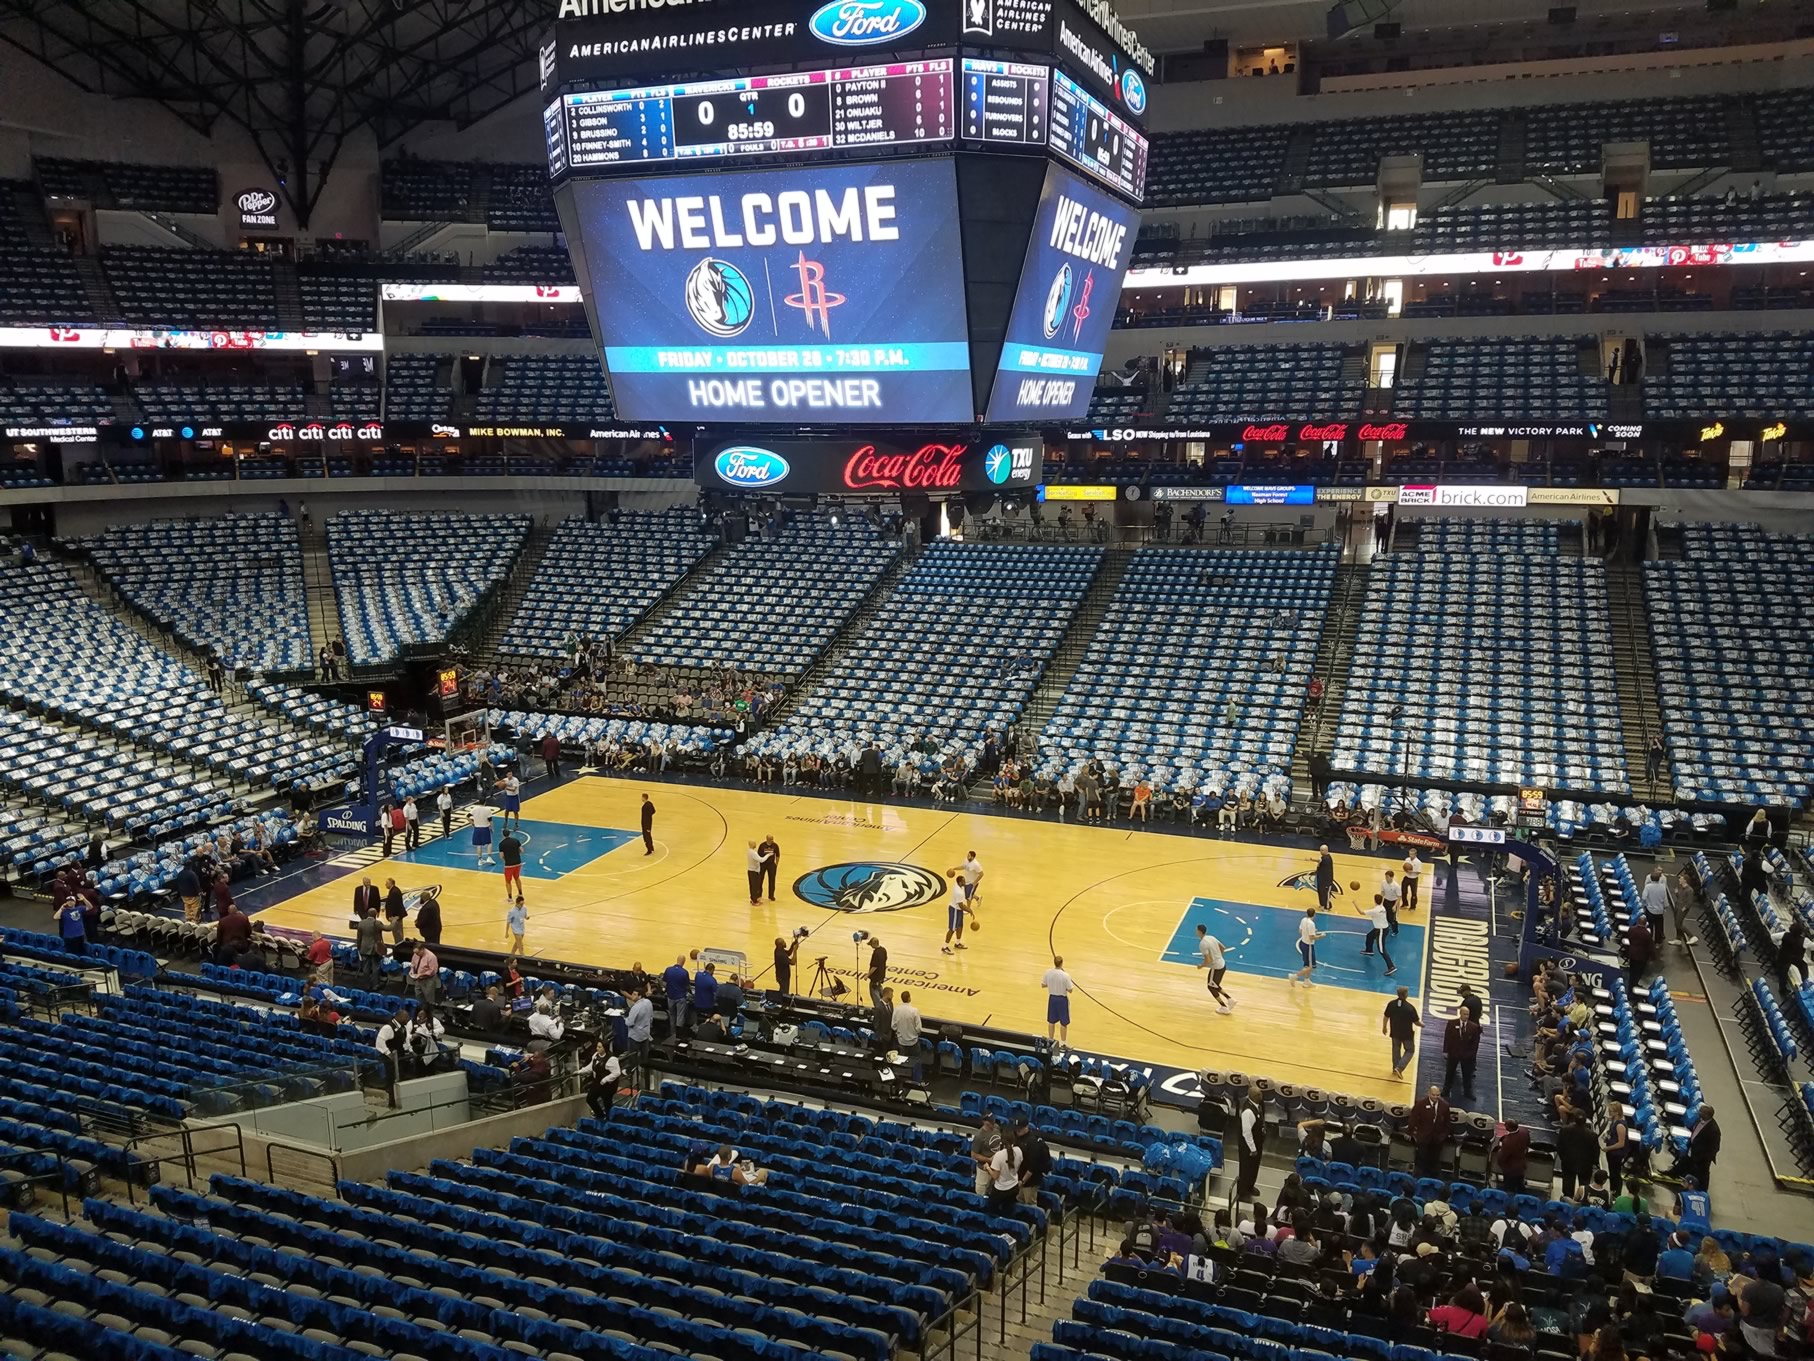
884	105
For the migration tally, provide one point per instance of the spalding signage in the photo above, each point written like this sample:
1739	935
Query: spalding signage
745	465
864	23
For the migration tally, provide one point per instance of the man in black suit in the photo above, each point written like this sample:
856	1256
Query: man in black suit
1696	1165
648	825
869	772
366	898
1325	876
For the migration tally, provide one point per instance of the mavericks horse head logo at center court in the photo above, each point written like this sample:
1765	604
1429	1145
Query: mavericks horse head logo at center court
870	886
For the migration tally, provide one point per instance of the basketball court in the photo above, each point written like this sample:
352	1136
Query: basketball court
1120	906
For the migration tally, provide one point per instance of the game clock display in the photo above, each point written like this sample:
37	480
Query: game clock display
900	103
1091	136
829	293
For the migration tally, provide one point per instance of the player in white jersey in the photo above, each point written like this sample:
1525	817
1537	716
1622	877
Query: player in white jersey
1308	936
1215	959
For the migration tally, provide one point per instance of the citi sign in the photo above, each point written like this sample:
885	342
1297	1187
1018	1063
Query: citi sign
745	465
315	430
864	23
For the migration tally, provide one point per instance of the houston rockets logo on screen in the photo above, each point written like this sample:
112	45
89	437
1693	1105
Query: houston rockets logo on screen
831	293
1069	285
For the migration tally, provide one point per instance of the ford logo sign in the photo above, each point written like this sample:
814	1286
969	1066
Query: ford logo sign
744	465
864	23
1133	91
257	201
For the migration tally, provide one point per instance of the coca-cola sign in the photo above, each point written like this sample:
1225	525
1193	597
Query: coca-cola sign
968	461
931	467
1276	433
1396	430
1334	430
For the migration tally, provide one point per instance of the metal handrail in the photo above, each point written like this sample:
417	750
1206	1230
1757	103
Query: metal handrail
186	1158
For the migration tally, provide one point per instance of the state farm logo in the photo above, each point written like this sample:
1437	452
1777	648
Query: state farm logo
931	467
1394	431
257	201
64	335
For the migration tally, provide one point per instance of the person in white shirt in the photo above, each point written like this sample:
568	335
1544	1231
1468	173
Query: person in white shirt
970	874
545	1025
601	1076
393	1035
906	1022
752	863
425	1033
1308	936
1058	986
512	790
1388	895
955	912
444	802
1215	959
481	834
1377	924
1411	872
412	824
1655	895
1004	1178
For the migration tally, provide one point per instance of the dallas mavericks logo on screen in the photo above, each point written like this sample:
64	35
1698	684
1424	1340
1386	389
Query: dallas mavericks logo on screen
719	298
999	464
1133	91
863	23
745	465
870	886
1058	301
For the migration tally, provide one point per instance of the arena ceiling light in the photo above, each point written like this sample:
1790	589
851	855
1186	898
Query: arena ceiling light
300	76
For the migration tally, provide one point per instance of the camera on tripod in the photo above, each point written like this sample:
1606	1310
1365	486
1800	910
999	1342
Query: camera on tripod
859	936
802	932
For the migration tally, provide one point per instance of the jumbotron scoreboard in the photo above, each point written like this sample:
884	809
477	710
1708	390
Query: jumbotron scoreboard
834	213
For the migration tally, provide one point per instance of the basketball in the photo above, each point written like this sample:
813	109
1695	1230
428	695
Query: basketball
1354	886
975	924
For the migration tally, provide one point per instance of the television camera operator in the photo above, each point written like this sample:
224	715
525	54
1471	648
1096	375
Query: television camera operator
787	955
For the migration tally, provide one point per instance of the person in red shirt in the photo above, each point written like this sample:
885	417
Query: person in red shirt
1464	1315
321	956
551	755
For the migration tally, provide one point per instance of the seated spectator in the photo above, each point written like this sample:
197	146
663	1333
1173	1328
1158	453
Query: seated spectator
1715	1316
1464	1314
1301	1248
1511	1326
1711	1262
727	1164
1676	1261
1760	1315
545	1025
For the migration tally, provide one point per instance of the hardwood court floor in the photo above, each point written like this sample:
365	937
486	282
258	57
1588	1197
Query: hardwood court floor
1119	905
